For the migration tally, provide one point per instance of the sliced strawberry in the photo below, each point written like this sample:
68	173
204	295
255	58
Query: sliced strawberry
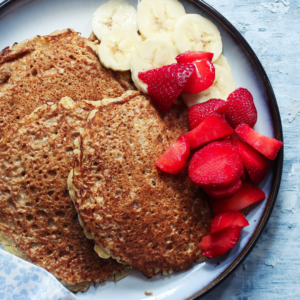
216	165
165	84
191	56
247	195
214	127
256	164
219	243
228	219
223	193
267	146
175	157
197	113
202	78
241	108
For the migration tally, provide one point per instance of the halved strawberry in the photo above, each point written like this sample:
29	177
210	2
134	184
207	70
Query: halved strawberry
267	146
214	127
247	195
228	219
241	108
202	78
216	165
165	84
191	56
256	164
197	113
219	243
174	159
223	193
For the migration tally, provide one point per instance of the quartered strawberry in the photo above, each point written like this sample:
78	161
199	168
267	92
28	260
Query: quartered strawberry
202	78
191	56
214	127
197	113
267	146
223	193
165	84
247	195
174	159
228	219
256	164
219	243
216	165
241	108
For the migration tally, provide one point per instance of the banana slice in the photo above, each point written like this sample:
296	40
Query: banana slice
113	14
193	32
117	48
156	18
151	54
223	85
223	62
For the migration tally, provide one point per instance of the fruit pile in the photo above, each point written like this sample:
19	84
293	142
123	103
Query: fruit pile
227	147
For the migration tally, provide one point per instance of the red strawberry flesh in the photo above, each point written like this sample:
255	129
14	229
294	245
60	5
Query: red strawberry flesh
228	219
223	193
267	146
174	159
247	195
219	243
241	108
197	113
165	84
191	56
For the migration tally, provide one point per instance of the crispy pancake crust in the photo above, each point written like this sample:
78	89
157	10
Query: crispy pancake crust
49	68
38	220
137	214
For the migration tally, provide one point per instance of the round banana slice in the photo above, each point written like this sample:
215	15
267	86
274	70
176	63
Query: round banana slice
113	14
156	18
151	54
193	32
223	85
223	62
117	48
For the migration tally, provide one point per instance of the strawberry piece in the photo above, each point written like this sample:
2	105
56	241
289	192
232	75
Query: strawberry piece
216	165
219	243
197	113
247	195
165	84
223	193
256	164
228	219
241	108
267	146
202	78
214	127
175	157
244	175
191	56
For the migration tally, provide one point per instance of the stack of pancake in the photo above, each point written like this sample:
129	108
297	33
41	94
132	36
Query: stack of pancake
54	92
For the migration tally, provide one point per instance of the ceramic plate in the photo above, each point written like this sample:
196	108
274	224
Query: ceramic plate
23	19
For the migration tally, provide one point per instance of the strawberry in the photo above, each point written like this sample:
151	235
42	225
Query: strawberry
202	78
223	193
256	164
214	127
197	113
241	108
267	146
216	165
228	219
247	195
174	159
219	243
165	84
191	56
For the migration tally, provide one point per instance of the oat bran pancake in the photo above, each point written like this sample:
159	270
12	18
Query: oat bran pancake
38	220
140	216
49	68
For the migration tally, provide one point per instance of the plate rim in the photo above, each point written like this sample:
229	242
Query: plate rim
278	163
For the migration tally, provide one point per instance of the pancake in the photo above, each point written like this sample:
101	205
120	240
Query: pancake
49	68
137	214
38	220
